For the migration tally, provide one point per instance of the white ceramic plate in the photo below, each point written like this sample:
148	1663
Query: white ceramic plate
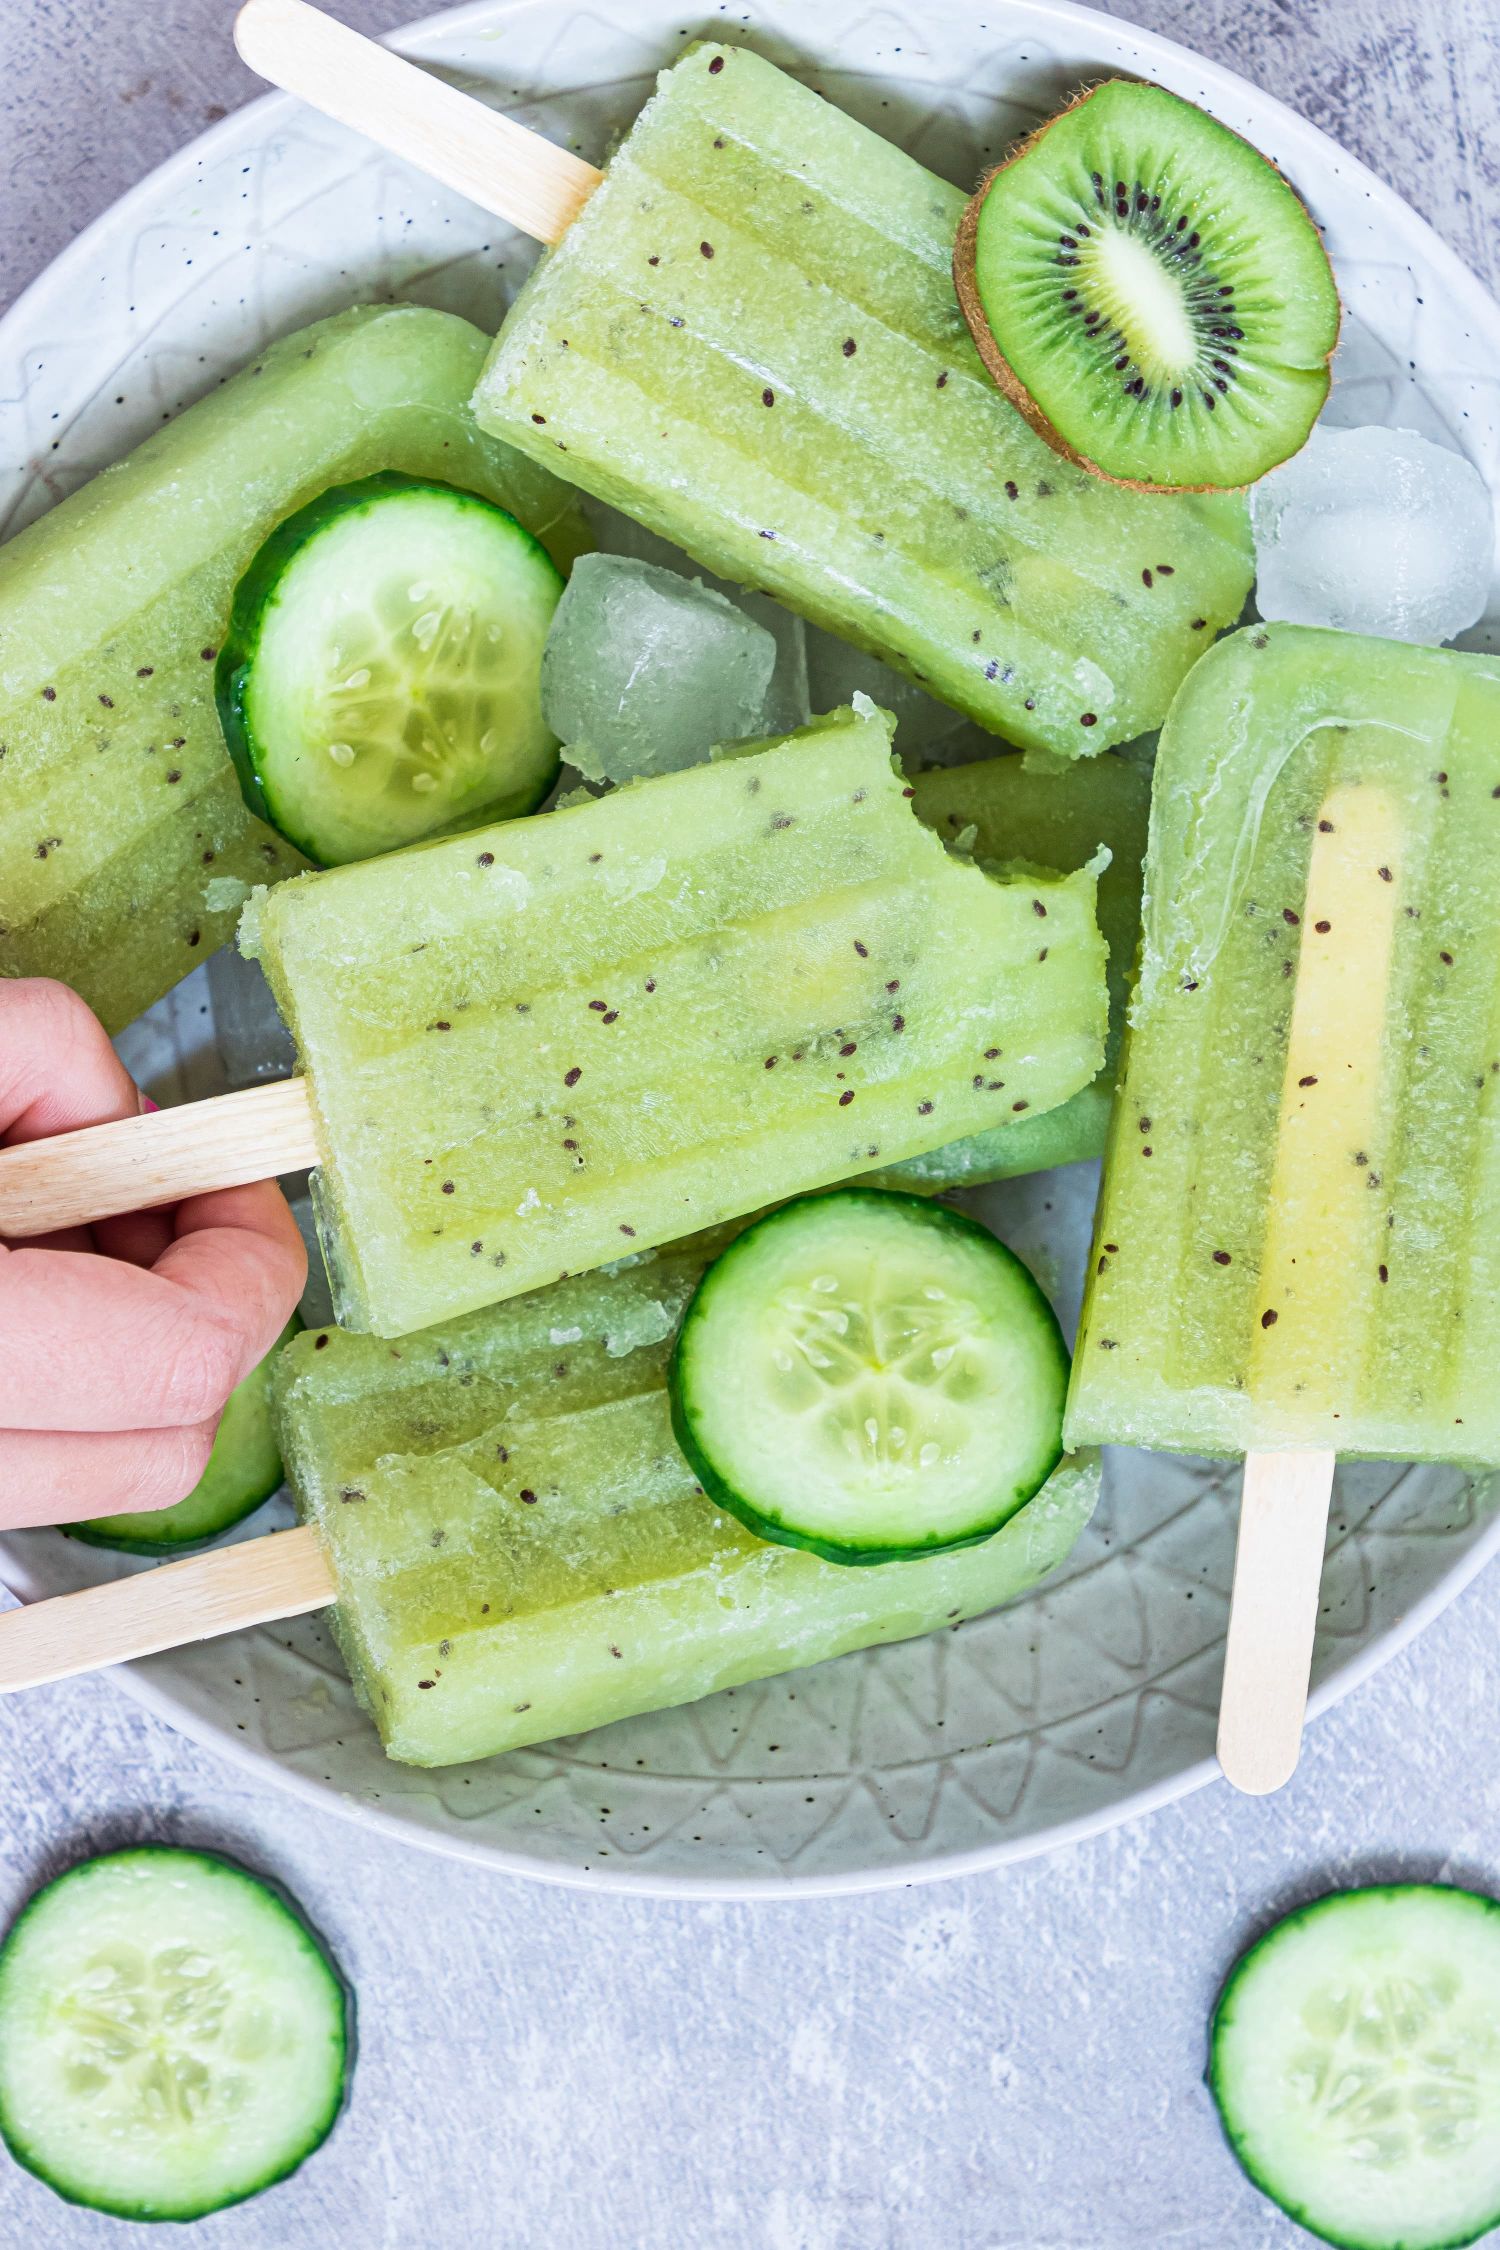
1089	1701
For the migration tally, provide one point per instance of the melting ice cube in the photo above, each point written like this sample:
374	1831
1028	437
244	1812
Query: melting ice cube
787	705
645	670
1374	531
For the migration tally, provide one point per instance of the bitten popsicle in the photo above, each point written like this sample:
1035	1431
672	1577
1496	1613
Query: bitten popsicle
126	850
1293	1251
749	340
514	1547
537	1047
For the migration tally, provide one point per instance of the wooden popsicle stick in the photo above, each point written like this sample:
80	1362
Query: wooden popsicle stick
522	178
283	1575
1273	1614
1326	1151
157	1158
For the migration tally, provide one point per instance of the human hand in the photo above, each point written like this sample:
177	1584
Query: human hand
120	1342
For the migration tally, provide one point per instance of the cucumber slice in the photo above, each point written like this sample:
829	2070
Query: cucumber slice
173	2035
870	1376
1355	2059
243	1471
381	677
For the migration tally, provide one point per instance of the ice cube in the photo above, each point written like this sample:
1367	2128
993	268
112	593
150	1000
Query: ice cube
1374	531
787	704
836	672
644	670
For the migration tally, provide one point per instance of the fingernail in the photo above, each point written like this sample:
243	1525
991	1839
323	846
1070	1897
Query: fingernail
148	1105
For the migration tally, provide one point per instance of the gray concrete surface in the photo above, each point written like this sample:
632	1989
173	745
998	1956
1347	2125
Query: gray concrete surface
1009	2063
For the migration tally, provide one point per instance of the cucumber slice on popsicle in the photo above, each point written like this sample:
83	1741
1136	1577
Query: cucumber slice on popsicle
1355	2059
243	1471
870	1376
381	679
173	2035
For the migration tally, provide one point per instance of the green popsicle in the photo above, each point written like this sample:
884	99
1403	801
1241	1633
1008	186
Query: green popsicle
1303	1180
521	1551
750	341
542	1044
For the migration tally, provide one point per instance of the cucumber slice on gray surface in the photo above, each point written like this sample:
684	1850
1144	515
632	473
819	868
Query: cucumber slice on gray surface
1355	2059
173	2035
870	1376
381	678
243	1471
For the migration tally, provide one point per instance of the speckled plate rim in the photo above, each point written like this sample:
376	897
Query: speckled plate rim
1133	50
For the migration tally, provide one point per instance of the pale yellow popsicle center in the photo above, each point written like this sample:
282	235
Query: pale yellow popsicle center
1313	1276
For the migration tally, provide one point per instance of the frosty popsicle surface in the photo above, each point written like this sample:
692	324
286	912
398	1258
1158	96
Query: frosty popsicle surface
521	1551
749	339
126	850
1002	809
539	1046
1303	1184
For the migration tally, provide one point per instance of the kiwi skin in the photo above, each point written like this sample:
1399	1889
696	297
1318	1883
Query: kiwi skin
995	361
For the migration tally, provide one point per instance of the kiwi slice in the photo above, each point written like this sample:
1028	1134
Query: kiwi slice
1151	293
